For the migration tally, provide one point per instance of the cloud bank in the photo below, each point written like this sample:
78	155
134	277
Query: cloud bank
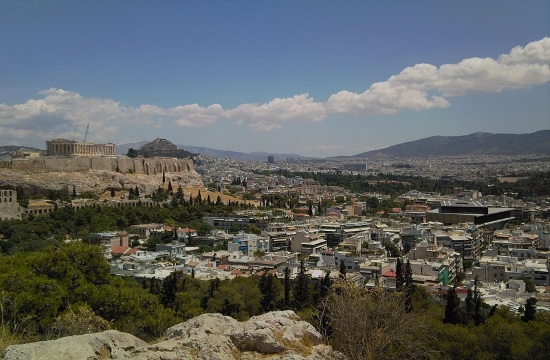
416	88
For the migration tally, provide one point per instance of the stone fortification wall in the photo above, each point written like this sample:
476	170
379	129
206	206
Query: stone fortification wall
104	164
148	166
67	164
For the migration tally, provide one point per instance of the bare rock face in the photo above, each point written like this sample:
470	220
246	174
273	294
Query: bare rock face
95	181
275	335
110	344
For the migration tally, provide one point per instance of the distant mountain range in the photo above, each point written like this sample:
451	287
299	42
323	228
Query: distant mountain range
236	155
479	143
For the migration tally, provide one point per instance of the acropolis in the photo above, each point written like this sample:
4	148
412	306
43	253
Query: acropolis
64	147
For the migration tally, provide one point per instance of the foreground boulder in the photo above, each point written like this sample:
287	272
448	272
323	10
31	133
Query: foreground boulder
110	344
275	335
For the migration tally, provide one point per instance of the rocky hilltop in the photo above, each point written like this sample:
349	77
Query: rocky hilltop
163	147
275	335
94	181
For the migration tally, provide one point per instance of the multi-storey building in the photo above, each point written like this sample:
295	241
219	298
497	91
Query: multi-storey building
9	208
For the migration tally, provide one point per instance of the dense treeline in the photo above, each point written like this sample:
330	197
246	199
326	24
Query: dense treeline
537	184
67	290
40	289
41	292
37	232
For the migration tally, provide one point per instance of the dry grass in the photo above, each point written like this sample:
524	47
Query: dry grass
7	338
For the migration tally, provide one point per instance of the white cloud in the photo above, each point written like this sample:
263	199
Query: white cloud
384	98
59	111
195	115
536	52
409	89
271	115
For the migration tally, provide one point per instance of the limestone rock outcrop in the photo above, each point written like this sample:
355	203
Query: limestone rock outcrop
275	335
110	344
95	181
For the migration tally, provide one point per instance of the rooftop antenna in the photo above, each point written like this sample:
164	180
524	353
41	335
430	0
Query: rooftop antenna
86	133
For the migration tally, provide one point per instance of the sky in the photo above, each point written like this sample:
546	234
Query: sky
313	77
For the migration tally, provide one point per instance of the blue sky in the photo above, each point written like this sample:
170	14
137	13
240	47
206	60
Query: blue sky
317	78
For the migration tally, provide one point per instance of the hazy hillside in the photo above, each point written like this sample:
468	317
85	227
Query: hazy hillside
236	155
473	144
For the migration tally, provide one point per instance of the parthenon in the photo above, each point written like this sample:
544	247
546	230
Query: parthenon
64	147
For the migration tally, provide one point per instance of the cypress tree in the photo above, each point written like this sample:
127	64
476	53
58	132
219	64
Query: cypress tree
530	310
478	316
325	286
302	294
342	269
269	295
170	190
470	304
408	274
399	280
287	287
170	288
410	288
452	308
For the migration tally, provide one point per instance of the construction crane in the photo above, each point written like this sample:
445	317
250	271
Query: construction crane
86	133
74	132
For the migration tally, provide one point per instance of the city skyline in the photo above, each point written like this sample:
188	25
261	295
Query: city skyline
314	78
